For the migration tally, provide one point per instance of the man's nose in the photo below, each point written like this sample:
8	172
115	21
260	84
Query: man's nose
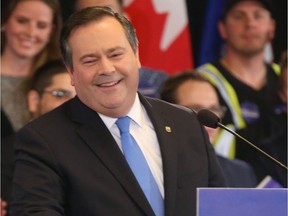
106	66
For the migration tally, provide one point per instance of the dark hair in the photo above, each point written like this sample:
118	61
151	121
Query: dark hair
229	4
170	86
51	51
120	3
88	15
43	76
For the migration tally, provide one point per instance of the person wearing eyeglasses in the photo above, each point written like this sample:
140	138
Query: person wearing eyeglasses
191	90
48	88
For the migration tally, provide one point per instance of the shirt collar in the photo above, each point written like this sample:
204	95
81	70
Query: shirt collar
135	113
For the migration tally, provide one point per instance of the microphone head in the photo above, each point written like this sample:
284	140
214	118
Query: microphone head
208	118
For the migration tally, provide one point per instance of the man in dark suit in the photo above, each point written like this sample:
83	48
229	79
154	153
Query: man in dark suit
70	160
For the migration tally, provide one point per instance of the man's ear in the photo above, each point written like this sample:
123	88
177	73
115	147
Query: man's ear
138	58
70	72
33	99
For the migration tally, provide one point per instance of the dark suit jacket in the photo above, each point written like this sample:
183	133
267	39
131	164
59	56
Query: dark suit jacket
67	163
6	126
237	173
7	159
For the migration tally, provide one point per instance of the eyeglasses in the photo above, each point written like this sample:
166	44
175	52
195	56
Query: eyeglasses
218	110
59	93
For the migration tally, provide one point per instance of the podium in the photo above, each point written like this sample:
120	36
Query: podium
242	202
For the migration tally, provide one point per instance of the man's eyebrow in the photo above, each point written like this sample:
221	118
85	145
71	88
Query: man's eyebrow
92	55
116	49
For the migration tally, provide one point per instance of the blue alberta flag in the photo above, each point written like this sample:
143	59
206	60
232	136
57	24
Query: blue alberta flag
211	43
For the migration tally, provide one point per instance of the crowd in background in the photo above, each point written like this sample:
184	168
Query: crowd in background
249	95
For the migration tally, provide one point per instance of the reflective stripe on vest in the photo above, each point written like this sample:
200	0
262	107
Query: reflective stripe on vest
227	92
276	68
224	143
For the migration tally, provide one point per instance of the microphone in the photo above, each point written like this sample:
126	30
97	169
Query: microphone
209	119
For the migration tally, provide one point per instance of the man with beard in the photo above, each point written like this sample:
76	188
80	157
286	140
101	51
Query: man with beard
247	85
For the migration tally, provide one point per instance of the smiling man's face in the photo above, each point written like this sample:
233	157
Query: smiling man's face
105	72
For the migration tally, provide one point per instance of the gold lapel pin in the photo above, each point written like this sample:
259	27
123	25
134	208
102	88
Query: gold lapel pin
168	129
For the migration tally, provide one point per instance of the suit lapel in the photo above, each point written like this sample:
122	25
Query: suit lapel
99	139
95	134
164	130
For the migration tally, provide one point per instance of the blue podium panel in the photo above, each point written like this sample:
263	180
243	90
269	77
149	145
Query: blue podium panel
241	202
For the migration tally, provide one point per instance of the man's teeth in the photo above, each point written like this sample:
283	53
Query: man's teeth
109	84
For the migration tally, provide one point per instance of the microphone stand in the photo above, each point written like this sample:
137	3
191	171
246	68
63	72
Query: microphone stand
254	146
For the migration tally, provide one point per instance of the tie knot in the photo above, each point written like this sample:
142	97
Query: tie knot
123	124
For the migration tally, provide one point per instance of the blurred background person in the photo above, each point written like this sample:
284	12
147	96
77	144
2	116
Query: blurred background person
49	87
276	141
30	37
191	90
247	85
151	80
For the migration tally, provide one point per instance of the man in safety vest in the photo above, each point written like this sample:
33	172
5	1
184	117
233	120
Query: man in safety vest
247	85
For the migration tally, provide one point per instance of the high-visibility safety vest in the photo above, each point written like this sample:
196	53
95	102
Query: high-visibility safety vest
225	142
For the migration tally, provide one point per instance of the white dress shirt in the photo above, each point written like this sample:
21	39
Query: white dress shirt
142	130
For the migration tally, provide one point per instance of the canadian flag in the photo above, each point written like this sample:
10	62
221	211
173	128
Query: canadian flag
163	33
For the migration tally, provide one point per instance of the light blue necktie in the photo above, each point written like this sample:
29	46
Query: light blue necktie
139	166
